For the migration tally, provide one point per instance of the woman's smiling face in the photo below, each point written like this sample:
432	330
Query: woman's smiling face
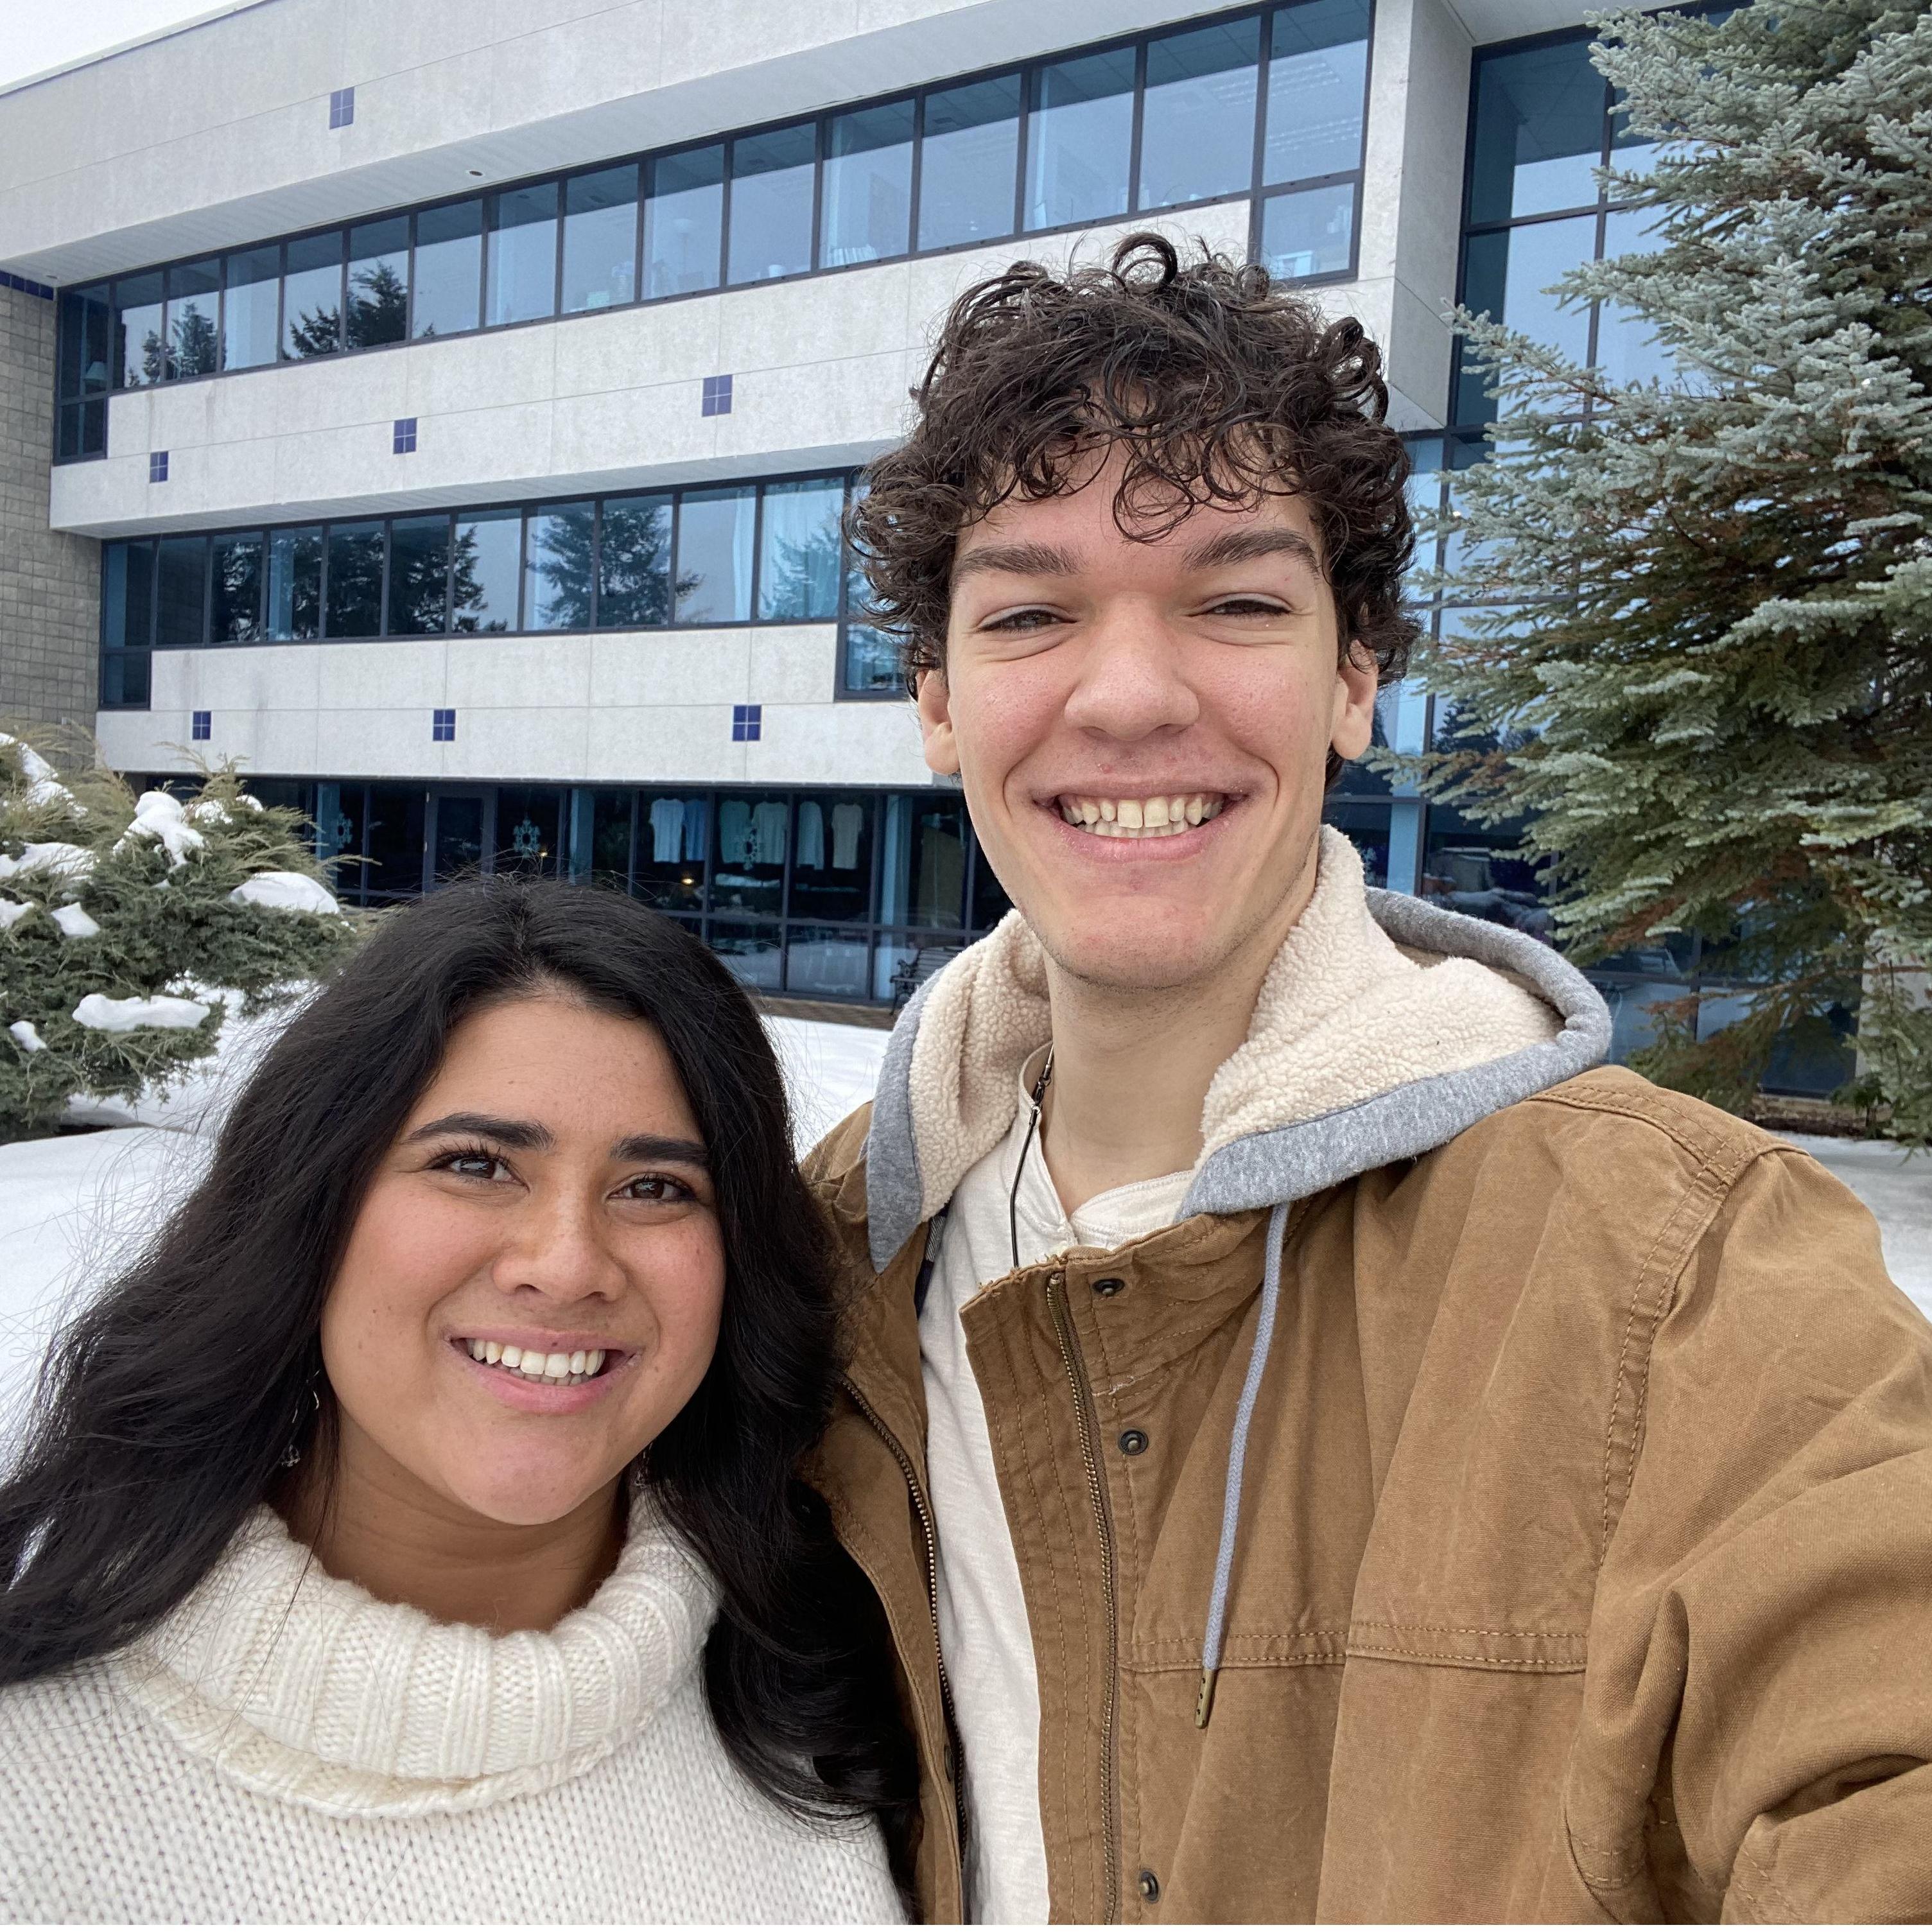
546	1204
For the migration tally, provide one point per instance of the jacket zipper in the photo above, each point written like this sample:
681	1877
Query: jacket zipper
1096	1491
924	1511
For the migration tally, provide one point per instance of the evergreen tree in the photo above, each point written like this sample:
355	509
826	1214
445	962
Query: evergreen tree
116	914
1708	646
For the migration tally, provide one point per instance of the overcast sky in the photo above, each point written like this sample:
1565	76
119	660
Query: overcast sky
36	34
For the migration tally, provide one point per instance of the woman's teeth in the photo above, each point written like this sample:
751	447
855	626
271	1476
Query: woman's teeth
562	1371
1142	817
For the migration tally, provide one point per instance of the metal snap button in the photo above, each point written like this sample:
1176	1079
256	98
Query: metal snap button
1109	1285
1132	1441
1150	1886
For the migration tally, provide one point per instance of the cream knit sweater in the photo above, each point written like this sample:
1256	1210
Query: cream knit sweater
283	1747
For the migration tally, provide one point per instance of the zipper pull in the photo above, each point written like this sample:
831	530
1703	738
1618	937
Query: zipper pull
1204	1705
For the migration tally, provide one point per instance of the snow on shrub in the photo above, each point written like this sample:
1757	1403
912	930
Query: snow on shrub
116	912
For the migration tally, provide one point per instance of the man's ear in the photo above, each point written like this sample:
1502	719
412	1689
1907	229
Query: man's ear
1353	721
935	723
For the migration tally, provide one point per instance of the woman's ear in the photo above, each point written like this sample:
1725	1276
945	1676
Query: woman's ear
935	723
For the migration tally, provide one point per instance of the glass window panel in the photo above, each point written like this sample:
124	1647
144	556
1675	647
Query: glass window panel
294	583
990	902
747	862
923	861
235	588
418	576
823	962
832	857
1078	140
610	839
127	595
181	592
600	238
354	581
457	849
251	308
484	567
379	282
672	831
752	949
1197	121
519	277
530	830
967	156
139	358
448	268
312	298
1318	71
1627	349
82	431
684	222
868	185
799	560
871	661
397	813
771	203
194	321
124	680
714	556
1308	231
556	568
86	329
1539	132
634	562
1508	274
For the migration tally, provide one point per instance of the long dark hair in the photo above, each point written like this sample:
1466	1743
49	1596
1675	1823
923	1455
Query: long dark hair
167	1405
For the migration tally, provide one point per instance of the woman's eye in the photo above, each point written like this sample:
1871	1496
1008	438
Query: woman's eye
471	1164
656	1187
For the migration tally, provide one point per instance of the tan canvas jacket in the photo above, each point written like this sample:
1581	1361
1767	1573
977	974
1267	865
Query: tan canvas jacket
1582	1563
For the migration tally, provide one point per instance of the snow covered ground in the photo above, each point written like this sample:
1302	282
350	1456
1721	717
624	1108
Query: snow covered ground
71	1206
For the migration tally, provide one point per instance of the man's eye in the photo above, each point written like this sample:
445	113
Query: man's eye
1021	620
1245	607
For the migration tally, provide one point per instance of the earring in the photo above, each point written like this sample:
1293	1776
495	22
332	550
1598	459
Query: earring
293	1454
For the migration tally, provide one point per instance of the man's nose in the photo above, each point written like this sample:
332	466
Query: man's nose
1132	680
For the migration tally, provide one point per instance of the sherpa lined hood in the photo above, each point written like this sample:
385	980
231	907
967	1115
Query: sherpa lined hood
1385	1027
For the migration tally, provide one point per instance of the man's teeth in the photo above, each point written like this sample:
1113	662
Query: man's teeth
562	1371
1141	817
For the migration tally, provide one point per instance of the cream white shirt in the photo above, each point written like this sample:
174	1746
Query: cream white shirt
983	1631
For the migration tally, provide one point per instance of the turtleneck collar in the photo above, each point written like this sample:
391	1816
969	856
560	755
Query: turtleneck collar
307	1688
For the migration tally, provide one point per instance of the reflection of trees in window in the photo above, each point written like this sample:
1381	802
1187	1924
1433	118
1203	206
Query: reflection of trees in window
154	357
355	582
801	576
563	566
318	332
379	311
195	346
418	589
635	564
238	590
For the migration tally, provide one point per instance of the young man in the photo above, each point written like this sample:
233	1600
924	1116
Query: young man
1323	1450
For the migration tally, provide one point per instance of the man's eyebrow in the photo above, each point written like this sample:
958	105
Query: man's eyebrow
661	1147
1233	547
1020	559
488	1126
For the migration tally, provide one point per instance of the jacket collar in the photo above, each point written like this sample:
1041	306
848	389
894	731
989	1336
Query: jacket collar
1384	1027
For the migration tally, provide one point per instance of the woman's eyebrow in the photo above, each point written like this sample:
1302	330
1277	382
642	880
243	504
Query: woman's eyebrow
660	1147
511	1133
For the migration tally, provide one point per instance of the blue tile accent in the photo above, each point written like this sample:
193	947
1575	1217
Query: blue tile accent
9	280
202	728
405	442
442	727
157	465
342	107
717	398
747	724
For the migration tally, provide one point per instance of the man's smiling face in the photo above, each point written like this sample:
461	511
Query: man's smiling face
1142	728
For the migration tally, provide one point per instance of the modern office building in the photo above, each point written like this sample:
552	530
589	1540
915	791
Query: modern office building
447	410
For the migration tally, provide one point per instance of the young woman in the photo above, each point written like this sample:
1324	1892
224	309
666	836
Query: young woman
411	1533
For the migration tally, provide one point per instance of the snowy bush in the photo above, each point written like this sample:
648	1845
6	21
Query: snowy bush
116	912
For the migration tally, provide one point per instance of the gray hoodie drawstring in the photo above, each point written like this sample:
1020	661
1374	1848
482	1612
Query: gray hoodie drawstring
1237	1456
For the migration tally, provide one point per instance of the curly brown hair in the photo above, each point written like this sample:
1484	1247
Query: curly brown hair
1222	388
